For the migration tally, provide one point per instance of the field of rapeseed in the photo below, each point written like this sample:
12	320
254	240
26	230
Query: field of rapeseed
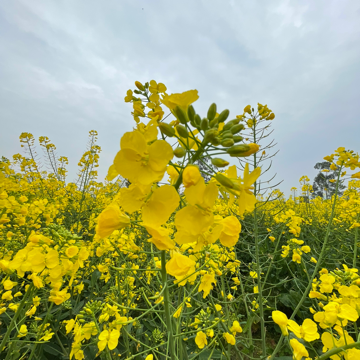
178	254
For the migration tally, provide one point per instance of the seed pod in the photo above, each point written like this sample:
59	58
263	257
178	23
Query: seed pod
237	150
179	152
223	180
191	112
182	131
181	115
213	122
167	129
215	141
237	138
204	124
237	128
227	142
211	112
197	120
219	162
227	134
223	116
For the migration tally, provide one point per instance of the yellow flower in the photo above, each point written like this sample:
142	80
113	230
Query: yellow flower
326	283
282	320
230	339
191	175
182	100
71	251
230	231
69	325
58	297
160	237
178	312
7	296
299	349
254	274
8	284
200	339
179	265
110	219
150	357
162	203
206	282
23	331
112	173
142	163
236	328
201	199
272	238
307	331
109	338
156	87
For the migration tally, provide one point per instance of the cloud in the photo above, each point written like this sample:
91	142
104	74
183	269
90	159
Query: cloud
65	68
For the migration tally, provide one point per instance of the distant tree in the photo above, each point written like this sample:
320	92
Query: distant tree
322	185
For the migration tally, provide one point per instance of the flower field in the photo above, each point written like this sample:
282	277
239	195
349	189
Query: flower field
179	253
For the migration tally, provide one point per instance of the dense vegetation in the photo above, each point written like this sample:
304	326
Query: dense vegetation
178	254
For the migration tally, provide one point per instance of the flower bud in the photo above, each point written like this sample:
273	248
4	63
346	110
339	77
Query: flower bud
230	124
191	112
227	134
223	116
253	149
204	124
209	135
227	142
213	122
223	180
137	92
215	141
182	131
181	115
139	85
237	150
211	112
219	162
237	128
247	109
167	129
197	120
237	138
179	152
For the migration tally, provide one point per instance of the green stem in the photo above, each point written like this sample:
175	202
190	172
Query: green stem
13	321
318	264
356	244
335	351
167	306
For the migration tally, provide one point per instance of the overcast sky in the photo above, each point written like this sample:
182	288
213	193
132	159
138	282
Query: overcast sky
65	67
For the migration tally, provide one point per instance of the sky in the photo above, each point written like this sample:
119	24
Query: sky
65	67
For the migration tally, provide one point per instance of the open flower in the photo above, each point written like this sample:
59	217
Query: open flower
139	162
